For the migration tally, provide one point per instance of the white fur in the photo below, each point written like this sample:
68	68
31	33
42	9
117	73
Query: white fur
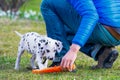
39	46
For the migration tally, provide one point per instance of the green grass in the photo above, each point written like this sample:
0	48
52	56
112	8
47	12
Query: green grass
8	52
31	5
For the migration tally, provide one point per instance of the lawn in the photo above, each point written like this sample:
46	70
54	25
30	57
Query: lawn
8	52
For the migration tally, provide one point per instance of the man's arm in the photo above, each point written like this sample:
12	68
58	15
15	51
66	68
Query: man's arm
89	15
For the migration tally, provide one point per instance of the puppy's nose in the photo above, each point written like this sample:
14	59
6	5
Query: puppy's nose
50	58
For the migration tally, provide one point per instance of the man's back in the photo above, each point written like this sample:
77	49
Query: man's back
109	12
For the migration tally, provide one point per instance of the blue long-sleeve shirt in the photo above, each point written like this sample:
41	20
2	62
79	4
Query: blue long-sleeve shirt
93	11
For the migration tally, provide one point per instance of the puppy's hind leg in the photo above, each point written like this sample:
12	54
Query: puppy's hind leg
18	60
20	52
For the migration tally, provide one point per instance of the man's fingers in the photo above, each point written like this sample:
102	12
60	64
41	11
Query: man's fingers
66	64
71	66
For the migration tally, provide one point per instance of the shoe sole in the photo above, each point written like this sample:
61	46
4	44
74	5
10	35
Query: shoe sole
108	63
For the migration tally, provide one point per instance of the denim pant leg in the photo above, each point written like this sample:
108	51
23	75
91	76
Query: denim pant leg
99	37
61	22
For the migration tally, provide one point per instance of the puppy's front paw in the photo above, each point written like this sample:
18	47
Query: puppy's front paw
42	67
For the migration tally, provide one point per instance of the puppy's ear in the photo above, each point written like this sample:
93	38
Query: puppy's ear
59	46
39	44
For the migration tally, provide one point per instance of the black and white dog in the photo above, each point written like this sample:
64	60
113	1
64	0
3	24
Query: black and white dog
41	47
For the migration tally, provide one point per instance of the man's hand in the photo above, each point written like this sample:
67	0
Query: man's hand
70	57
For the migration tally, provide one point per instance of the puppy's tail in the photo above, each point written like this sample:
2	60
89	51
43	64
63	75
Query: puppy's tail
18	34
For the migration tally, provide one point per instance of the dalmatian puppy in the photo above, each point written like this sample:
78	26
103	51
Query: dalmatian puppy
41	47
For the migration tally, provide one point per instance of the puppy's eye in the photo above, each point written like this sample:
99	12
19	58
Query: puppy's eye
43	40
48	51
41	47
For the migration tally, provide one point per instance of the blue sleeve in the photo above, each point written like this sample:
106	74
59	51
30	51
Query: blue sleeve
89	15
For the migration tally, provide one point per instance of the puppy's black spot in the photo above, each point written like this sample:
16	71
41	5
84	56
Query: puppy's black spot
35	39
39	44
59	48
57	44
48	51
55	50
46	43
24	36
32	50
29	51
40	41
23	39
32	34
28	44
27	34
41	48
43	40
44	61
43	53
34	46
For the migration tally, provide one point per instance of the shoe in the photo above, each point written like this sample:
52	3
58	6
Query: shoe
108	62
55	64
106	58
